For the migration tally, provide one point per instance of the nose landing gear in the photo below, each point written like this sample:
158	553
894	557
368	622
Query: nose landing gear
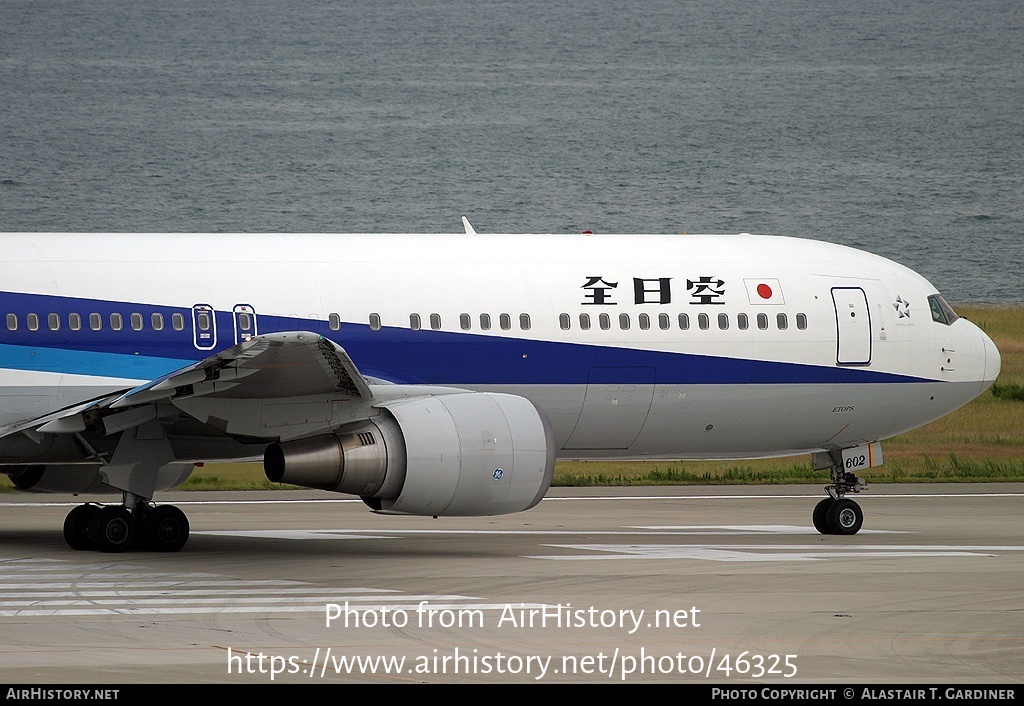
838	514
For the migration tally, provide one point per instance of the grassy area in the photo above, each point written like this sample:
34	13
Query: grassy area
983	441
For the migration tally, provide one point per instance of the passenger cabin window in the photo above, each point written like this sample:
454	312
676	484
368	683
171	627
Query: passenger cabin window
53	321
703	322
375	322
564	321
95	322
605	321
585	322
136	321
624	322
75	321
742	322
664	322
117	322
723	321
485	322
435	321
414	322
33	322
505	322
684	322
12	322
178	322
203	321
762	321
524	322
465	321
801	321
782	322
644	322
157	321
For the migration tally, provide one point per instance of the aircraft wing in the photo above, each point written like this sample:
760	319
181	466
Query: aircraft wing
289	364
267	367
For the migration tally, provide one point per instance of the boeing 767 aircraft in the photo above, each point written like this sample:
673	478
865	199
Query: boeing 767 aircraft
444	374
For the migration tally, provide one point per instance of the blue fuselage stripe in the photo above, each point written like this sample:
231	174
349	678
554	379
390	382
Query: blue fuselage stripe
396	354
76	362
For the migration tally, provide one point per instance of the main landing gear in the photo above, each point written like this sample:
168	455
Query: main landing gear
837	514
135	524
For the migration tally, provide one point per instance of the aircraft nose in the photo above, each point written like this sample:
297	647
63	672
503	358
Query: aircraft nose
993	361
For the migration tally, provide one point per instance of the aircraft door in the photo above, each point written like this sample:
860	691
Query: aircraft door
615	408
245	322
853	324
204	327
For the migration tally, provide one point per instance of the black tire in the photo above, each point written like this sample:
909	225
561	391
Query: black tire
166	529
113	529
820	516
76	526
845	517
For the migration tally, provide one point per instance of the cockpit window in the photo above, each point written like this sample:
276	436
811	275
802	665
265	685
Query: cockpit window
942	312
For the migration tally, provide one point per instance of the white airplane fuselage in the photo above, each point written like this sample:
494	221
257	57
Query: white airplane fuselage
195	347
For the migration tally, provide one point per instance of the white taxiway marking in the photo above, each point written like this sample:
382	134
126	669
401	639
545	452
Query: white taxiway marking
746	529
298	534
87	589
876	495
734	552
742	553
654	531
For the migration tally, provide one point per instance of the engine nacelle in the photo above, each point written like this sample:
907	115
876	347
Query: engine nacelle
83	478
475	453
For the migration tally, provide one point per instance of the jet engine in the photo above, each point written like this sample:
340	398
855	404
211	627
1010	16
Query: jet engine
473	453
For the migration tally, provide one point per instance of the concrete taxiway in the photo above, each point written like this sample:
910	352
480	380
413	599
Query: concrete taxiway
708	584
